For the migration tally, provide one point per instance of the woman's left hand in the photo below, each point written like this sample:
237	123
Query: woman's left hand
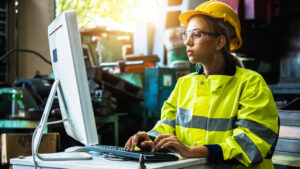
172	143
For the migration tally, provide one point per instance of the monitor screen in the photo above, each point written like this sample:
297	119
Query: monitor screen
69	68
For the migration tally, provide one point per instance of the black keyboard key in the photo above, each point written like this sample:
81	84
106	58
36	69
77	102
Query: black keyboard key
121	151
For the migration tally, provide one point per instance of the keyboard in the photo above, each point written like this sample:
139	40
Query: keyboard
122	152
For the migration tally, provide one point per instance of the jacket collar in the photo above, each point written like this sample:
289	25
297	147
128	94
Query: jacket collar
229	70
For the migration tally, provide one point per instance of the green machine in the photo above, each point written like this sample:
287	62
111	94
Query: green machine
18	103
18	110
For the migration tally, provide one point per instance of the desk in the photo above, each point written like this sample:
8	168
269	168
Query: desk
98	162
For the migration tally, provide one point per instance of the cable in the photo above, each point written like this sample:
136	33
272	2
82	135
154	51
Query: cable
25	50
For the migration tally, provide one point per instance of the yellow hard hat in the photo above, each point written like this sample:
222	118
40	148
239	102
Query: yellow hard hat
219	10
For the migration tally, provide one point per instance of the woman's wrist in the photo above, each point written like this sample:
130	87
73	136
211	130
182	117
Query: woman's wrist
198	152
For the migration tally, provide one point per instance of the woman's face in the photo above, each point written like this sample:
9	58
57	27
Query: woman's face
200	45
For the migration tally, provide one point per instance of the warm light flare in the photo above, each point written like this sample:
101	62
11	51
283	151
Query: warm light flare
115	14
147	11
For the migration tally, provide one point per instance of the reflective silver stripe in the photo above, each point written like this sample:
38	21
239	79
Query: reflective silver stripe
220	124
154	133
263	132
170	122
198	122
249	148
185	118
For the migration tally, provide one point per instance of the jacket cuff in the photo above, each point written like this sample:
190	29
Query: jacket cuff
215	153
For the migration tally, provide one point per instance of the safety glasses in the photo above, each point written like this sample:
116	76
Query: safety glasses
197	35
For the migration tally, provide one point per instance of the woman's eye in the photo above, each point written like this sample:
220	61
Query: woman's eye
197	34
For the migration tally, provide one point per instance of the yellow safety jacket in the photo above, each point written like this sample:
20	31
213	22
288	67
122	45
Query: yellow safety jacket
235	116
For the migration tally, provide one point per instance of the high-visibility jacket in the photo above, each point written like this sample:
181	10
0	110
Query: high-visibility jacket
235	116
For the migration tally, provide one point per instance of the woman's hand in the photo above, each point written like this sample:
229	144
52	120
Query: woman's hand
173	144
140	139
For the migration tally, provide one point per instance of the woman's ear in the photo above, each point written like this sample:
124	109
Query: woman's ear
220	42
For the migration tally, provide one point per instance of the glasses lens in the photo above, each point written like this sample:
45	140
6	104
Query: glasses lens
184	35
195	35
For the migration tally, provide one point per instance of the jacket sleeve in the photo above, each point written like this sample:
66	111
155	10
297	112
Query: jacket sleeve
166	124
256	128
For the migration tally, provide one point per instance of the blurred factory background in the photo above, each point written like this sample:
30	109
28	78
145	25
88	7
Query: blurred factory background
134	54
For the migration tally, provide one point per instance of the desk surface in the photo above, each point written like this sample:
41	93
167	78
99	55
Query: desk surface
99	162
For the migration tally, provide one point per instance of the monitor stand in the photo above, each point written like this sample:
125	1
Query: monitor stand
38	133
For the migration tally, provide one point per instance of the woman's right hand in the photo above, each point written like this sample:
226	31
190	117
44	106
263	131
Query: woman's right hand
142	140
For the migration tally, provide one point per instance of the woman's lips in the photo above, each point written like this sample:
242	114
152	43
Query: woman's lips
189	52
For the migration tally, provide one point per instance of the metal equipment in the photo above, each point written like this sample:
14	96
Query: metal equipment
18	103
159	83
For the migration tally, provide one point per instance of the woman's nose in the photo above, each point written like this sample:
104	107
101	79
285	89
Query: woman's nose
188	41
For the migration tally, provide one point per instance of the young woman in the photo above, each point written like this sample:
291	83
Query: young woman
223	112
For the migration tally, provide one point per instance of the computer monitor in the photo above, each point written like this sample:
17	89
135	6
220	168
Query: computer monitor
69	68
70	83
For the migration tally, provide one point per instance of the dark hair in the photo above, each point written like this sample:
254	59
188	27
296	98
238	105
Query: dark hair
220	27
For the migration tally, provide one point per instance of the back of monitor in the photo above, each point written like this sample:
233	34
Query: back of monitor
69	68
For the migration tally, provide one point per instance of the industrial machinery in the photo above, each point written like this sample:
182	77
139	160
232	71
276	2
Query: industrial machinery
159	83
18	103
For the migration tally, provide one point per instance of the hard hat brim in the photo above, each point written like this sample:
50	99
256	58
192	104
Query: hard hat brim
185	16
